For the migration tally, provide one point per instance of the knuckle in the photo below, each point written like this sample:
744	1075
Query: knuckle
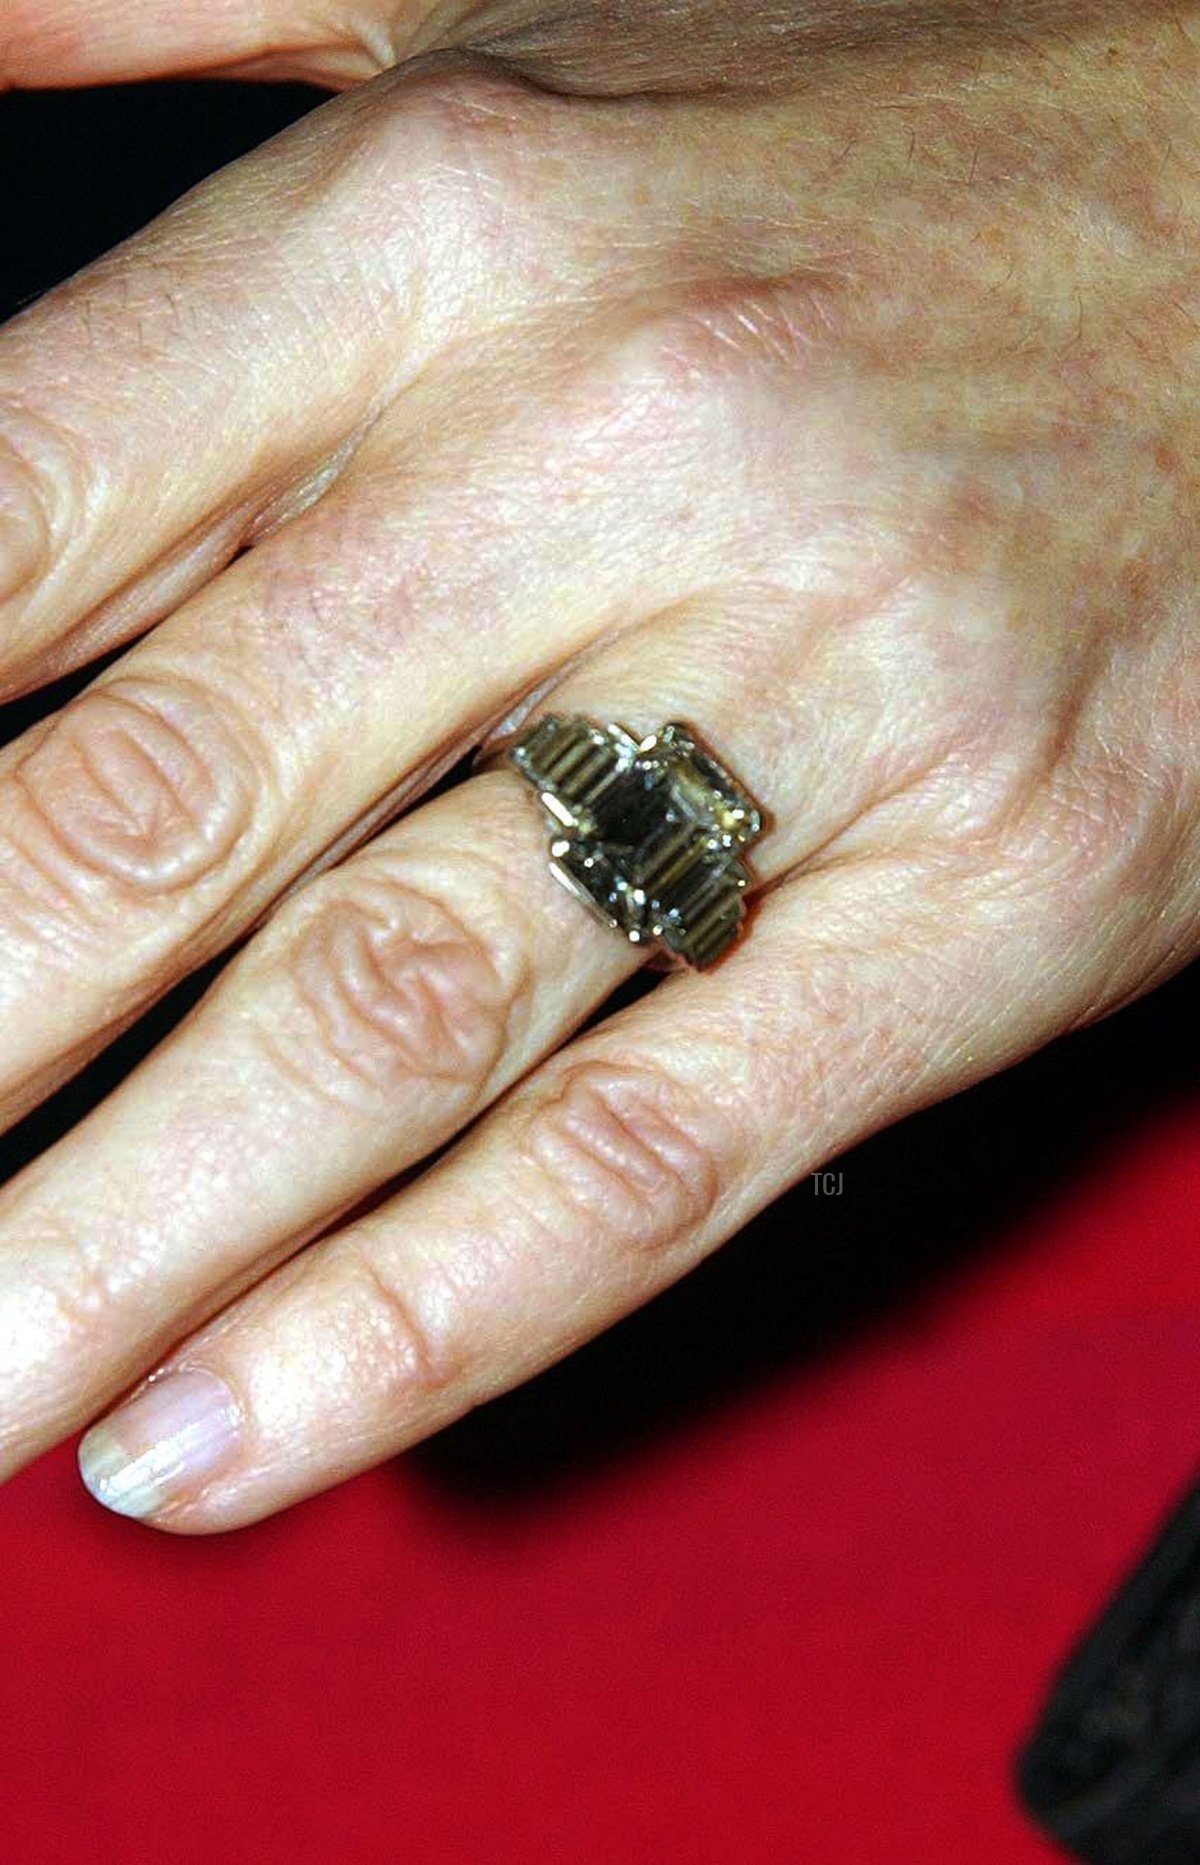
139	785
465	124
431	173
57	1307
392	983
732	327
464	92
44	495
1100	833
395	1329
629	1151
680	369
1117	822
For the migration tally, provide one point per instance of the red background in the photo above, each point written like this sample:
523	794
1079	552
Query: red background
777	1570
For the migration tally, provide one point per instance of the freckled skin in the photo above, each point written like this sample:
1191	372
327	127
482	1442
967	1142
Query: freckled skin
855	417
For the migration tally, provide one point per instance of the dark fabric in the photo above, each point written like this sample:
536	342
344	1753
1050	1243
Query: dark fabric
1113	1768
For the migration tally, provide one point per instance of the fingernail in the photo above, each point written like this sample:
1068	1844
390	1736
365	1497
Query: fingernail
161	1445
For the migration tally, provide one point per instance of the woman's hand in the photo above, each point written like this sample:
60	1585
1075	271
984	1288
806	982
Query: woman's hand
856	426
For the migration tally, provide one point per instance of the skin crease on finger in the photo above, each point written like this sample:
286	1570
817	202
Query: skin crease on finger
951	311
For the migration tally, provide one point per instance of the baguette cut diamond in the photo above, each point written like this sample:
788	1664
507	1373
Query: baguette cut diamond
648	833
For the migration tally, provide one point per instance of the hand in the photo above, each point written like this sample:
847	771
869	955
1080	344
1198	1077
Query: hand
856	425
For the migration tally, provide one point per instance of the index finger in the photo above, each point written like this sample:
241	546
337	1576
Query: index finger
212	374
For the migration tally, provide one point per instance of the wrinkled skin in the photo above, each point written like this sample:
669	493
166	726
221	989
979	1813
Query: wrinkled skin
854	423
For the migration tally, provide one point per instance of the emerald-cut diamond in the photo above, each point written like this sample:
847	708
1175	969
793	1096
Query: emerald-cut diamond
648	832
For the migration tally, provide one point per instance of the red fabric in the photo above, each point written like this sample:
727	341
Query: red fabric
809	1619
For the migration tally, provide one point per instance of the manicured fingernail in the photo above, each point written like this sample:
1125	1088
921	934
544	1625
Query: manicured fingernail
161	1445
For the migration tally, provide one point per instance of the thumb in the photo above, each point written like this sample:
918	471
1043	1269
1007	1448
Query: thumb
65	43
